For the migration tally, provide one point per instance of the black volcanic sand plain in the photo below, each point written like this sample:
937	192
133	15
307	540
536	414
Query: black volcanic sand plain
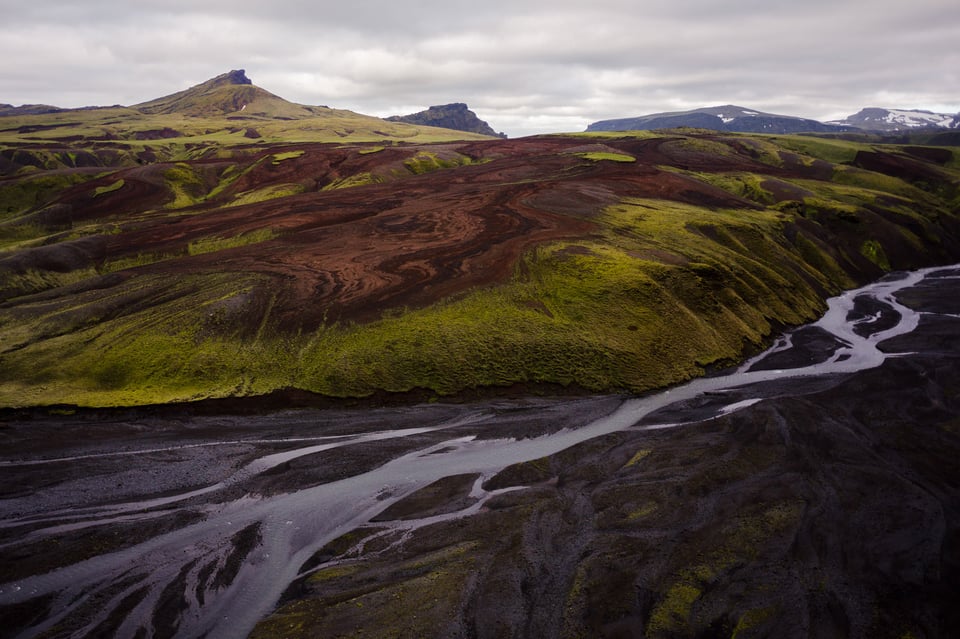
829	509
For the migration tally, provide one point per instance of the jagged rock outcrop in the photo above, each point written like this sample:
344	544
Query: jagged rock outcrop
456	116
237	76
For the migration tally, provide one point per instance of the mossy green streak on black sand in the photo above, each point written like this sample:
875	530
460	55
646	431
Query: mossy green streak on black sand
606	263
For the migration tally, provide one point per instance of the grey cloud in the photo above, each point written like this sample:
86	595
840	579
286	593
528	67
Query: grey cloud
525	67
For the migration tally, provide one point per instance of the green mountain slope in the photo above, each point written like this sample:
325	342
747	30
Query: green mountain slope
207	119
600	262
225	94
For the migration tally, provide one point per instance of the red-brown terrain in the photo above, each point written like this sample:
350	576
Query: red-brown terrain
352	253
272	243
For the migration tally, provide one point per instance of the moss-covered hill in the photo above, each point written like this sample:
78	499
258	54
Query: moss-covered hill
604	262
202	121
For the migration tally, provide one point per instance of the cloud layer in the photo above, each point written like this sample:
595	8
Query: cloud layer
527	67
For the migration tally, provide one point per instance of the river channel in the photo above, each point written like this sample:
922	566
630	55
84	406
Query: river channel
147	525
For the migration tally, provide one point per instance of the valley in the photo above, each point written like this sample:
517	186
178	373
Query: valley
271	369
806	493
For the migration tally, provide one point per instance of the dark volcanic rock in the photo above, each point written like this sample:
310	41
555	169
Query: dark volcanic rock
456	116
237	76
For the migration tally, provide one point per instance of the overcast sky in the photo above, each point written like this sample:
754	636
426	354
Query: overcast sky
525	66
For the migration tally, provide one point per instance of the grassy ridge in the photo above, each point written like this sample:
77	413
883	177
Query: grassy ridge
176	136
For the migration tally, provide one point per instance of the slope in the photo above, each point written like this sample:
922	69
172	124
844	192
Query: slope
599	262
231	92
207	119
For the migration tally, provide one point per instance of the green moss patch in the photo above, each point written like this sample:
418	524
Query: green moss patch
739	541
108	349
214	244
185	184
600	156
873	251
110	188
639	456
832	150
358	179
277	158
745	185
33	191
271	192
427	161
133	261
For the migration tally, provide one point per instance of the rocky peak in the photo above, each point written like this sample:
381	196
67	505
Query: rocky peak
456	116
237	76
225	93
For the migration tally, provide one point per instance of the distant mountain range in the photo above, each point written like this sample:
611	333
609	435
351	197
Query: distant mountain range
456	116
874	119
740	119
234	95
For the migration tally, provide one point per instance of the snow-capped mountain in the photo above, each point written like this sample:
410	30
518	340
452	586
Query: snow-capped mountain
877	119
720	118
736	118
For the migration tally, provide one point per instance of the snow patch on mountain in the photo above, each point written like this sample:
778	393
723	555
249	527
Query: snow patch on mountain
879	119
918	118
